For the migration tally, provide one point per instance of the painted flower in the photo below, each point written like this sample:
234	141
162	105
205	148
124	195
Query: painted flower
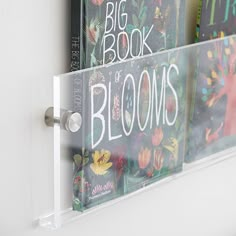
170	104
97	2
116	108
77	180
93	31
172	146
158	159
95	78
80	183
101	162
144	157
157	137
119	163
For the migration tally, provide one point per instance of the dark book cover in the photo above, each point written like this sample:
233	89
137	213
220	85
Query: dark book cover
216	19
133	127
213	116
122	29
106	165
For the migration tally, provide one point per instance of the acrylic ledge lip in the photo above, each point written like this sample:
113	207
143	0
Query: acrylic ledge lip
56	220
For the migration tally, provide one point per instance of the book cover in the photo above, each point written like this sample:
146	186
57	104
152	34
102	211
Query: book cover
133	127
213	115
122	29
216	19
116	31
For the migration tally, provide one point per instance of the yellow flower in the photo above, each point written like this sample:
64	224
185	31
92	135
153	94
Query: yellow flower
101	162
173	146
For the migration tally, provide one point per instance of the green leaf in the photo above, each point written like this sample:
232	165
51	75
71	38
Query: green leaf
78	160
142	13
85	161
142	5
143	20
135	20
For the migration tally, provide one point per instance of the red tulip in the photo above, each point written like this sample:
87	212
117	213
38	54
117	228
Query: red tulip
144	158
97	2
157	137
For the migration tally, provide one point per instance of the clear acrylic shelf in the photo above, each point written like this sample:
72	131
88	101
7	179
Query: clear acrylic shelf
122	128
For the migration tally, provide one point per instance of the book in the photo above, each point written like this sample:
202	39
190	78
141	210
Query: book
216	19
133	126
212	126
76	32
117	30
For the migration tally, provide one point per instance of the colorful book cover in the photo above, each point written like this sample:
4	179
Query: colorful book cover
133	129
122	29
213	115
116	31
216	19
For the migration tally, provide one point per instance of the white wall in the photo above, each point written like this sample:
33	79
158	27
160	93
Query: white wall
34	46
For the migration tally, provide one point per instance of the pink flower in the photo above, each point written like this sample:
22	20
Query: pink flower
97	2
157	137
144	158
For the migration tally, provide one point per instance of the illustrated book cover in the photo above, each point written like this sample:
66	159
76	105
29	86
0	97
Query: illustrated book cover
216	19
133	127
213	113
121	29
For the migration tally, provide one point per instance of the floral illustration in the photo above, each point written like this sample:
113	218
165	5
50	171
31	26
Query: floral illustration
101	162
80	161
159	18
157	137
172	146
96	77
116	108
213	113
125	132
144	157
158	159
119	161
93	31
97	2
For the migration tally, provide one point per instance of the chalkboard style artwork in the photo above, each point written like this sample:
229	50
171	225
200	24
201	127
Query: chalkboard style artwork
212	124
122	29
216	19
134	127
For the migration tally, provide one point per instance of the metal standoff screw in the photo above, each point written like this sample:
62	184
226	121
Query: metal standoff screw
68	120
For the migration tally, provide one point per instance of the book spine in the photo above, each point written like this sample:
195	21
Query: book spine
199	14
76	44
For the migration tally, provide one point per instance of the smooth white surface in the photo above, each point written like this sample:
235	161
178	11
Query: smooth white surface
33	48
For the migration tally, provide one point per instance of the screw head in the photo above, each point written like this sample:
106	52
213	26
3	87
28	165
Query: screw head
74	122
